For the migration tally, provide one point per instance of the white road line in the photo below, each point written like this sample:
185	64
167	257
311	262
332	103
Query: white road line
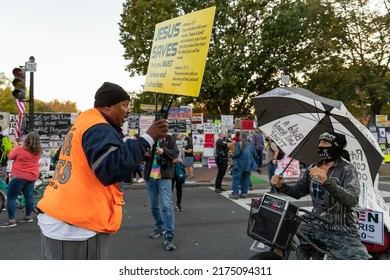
245	203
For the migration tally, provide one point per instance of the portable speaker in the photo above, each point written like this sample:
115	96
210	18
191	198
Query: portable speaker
273	221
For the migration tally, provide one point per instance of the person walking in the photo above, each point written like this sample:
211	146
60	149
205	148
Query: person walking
222	157
159	190
82	204
24	172
271	161
176	183
244	162
237	137
258	142
188	161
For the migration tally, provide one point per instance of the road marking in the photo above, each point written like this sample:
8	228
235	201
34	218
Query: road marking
304	202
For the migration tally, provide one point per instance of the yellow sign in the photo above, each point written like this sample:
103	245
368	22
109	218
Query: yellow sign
179	53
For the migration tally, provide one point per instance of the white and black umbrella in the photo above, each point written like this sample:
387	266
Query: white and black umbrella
295	118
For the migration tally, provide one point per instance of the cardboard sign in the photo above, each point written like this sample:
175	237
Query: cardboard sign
179	53
292	171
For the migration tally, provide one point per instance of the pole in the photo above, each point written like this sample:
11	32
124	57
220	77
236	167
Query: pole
31	103
31	99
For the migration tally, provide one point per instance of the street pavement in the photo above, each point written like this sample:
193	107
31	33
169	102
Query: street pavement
211	227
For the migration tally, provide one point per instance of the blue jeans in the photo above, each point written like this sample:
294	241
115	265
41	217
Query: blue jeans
15	187
271	172
243	178
160	194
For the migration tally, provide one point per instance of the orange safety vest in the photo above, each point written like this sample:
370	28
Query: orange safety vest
74	194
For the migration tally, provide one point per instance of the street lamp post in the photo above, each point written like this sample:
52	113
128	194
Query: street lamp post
31	67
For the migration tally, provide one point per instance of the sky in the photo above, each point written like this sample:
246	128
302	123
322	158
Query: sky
75	44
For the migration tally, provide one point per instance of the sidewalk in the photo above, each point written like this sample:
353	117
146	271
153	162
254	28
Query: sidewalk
205	177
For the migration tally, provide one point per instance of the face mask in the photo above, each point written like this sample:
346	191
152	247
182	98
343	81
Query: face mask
329	154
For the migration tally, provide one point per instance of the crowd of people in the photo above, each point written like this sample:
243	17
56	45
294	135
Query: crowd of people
82	205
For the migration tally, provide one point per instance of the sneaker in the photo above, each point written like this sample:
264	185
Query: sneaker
179	208
8	224
26	220
217	190
234	196
243	195
140	180
169	243
156	233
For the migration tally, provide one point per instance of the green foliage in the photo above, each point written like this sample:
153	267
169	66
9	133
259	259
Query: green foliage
8	104
338	49
55	106
137	29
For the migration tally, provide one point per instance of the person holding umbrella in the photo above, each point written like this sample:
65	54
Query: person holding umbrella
334	187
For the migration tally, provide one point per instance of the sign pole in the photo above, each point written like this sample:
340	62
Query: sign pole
31	67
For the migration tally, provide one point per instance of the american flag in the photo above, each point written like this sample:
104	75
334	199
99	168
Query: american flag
19	122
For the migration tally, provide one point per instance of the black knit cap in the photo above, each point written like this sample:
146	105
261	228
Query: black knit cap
110	94
336	139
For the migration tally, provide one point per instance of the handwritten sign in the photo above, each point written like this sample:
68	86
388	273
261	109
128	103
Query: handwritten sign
179	53
52	123
289	166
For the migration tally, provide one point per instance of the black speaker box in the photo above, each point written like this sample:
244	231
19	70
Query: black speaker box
273	221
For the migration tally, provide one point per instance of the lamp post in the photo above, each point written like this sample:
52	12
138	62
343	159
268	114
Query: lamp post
31	67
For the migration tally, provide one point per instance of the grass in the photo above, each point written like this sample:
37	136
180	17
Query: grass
258	181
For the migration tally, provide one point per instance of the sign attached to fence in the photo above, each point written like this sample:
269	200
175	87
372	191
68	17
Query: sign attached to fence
179	53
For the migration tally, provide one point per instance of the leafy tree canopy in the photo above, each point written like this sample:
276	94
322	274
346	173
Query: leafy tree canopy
8	104
338	49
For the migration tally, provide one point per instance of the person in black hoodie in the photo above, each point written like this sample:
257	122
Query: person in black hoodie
159	189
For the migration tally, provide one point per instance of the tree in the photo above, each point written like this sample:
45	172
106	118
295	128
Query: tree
55	106
361	77
8	104
137	29
338	49
251	41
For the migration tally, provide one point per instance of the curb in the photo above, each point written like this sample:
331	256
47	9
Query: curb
227	181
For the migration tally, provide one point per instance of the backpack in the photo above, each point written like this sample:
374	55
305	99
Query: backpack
6	147
281	153
180	173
